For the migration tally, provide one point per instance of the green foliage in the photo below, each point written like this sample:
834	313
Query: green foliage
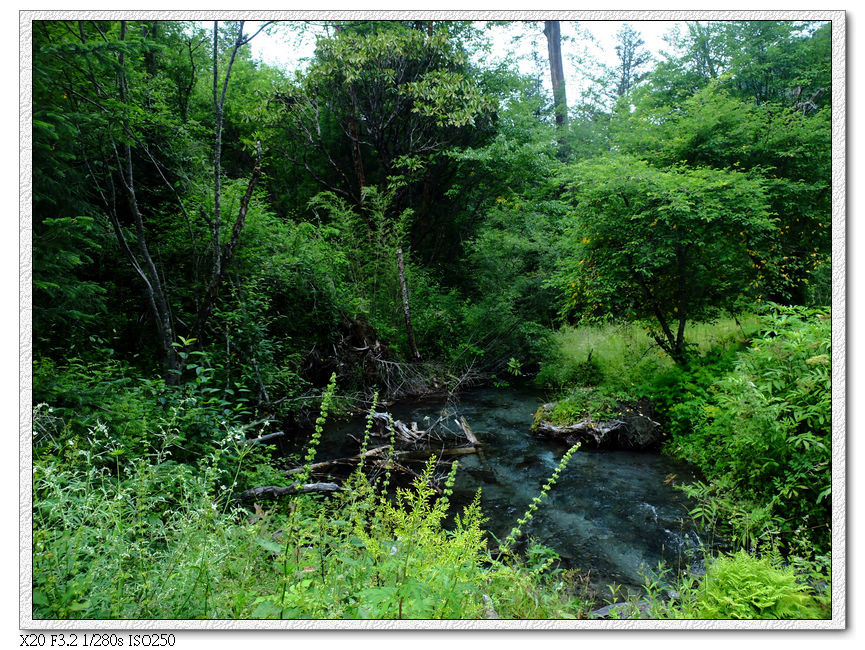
662	245
139	538
66	302
585	403
758	61
764	437
788	152
742	586
401	135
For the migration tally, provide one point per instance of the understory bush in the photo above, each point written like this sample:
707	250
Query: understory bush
763	438
743	586
148	538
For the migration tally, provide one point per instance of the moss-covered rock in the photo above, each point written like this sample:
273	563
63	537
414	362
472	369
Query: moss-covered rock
625	426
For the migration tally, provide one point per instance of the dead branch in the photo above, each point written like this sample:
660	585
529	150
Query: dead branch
262	439
279	490
349	460
467	431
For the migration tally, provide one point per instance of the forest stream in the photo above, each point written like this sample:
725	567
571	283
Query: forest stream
615	514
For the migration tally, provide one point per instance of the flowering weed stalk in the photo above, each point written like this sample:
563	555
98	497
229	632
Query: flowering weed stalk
505	547
319	429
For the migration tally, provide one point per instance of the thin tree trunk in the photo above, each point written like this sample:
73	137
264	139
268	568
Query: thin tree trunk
405	308
222	254
552	30
148	272
219	109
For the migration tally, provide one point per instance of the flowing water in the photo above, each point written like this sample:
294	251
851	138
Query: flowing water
613	513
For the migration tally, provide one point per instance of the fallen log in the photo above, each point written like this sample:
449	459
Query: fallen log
386	456
281	490
585	428
403	432
421	454
410	434
631	428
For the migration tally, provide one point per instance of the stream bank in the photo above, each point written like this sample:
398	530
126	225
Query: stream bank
613	514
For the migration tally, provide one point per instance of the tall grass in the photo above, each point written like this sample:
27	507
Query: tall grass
619	356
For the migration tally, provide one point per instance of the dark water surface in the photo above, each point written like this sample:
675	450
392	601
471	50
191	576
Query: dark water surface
610	512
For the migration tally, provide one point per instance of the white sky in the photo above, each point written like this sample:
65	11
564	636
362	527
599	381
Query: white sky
284	47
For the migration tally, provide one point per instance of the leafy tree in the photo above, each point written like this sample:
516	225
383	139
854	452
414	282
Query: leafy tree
787	150
668	246
377	103
633	58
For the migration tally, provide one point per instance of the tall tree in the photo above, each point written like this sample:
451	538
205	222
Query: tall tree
553	32
632	59
372	115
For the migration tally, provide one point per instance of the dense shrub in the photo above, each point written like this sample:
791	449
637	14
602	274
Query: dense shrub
742	586
764	438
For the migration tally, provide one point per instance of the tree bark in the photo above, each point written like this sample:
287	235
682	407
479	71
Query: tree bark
552	30
405	307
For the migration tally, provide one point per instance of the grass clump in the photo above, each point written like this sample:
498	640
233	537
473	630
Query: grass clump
622	357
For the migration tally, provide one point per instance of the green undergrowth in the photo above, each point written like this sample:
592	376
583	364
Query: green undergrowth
751	409
742	586
761	434
622	356
593	370
737	586
156	538
134	517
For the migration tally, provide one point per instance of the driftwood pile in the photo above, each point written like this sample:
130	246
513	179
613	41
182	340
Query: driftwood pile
410	444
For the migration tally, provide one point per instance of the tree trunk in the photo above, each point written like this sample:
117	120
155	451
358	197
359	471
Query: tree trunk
146	268
405	308
552	30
